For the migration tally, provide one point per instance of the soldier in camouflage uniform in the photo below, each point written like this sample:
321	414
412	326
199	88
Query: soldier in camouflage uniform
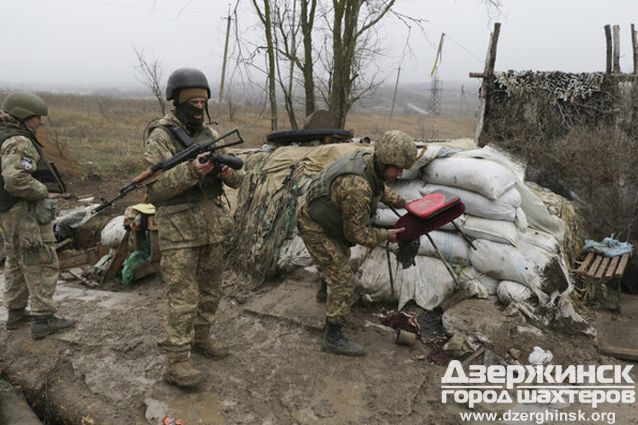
26	214
192	223
336	214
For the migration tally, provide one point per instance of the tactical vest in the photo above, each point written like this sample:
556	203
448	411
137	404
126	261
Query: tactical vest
209	186
323	210
45	172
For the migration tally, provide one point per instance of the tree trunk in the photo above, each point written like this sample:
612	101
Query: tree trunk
307	23
271	65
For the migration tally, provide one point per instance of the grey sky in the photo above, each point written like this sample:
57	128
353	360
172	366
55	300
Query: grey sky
90	42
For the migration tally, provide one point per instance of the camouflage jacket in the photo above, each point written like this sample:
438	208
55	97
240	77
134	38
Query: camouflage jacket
183	222
353	196
19	159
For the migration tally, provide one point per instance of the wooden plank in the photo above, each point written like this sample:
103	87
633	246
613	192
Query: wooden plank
622	266
490	62
585	263
612	267
592	270
602	268
624	353
68	261
616	36
474	355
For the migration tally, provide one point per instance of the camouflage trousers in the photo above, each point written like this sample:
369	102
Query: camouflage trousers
194	278
332	258
31	267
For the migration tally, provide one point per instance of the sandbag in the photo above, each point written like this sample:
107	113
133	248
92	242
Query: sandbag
294	254
408	189
453	247
488	178
540	239
491	230
428	283
509	291
113	233
502	208
487	282
505	262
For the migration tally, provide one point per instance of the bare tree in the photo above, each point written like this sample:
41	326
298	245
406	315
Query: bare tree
150	74
265	17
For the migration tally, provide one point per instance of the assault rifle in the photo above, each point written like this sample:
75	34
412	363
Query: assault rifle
191	151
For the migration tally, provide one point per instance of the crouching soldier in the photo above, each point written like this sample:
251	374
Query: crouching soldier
192	224
336	214
26	214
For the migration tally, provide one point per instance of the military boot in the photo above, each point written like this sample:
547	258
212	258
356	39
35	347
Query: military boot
335	342
322	292
180	370
17	317
47	325
204	345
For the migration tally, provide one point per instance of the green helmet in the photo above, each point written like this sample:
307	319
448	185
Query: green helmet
395	148
185	78
24	104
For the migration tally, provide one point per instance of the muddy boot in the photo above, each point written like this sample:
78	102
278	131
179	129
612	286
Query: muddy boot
180	370
204	345
17	317
335	342
47	325
322	292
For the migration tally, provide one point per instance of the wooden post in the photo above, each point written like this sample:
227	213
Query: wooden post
488	75
616	66
396	87
634	47
609	48
221	84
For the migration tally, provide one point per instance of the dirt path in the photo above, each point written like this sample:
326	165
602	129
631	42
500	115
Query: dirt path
108	370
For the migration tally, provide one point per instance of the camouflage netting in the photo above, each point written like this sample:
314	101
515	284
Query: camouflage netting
265	215
547	104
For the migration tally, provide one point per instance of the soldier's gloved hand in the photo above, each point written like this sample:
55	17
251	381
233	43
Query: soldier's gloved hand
392	233
46	210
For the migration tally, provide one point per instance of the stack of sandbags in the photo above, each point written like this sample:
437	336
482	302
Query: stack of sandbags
512	250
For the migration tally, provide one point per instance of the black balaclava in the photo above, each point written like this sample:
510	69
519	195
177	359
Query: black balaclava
186	112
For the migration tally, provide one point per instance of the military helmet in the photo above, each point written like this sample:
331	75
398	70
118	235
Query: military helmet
395	148
23	104
185	78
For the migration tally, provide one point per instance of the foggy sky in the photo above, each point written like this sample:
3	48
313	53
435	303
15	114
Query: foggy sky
91	42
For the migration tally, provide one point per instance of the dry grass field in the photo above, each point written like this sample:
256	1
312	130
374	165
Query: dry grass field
98	141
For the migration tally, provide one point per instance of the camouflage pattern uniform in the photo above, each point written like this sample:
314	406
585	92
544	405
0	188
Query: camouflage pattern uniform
31	265
192	222
353	196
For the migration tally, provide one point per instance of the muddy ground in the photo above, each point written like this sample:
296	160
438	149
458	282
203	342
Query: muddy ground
108	370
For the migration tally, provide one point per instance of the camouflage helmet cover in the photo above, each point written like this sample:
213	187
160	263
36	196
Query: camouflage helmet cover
24	104
396	148
185	78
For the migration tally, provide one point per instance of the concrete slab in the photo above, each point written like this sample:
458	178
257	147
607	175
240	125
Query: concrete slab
618	333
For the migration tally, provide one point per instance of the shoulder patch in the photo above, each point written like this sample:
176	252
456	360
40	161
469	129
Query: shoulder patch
27	163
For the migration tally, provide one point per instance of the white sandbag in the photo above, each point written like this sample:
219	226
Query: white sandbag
509	291
540	239
424	156
499	156
471	274
521	219
503	208
537	214
492	230
428	283
488	178
385	217
504	262
408	189
293	254
113	233
453	247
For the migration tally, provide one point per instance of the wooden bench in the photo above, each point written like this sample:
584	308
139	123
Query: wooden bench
599	272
